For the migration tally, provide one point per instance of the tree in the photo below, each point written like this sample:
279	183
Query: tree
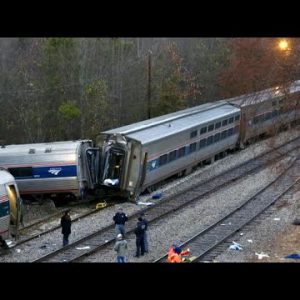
174	86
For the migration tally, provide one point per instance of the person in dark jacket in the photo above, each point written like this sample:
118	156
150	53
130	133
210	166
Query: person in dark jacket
145	232
120	218
139	232
65	222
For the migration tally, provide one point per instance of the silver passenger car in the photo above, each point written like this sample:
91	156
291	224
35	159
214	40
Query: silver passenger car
51	168
139	155
10	205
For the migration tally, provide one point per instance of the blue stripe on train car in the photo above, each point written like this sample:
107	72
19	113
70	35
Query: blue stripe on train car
4	209
57	171
50	172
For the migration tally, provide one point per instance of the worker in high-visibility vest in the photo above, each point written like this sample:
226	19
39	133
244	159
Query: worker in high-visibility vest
175	254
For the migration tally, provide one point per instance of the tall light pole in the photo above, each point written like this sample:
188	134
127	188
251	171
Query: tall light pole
149	85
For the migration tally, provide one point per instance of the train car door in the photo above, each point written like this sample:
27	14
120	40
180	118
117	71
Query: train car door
113	166
15	209
93	159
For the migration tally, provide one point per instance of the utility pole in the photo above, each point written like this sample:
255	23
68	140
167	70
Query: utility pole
149	84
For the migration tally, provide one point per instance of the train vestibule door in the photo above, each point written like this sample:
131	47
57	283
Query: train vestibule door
15	209
93	159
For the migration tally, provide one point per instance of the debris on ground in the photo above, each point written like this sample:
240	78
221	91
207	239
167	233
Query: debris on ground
235	246
157	195
83	248
145	203
261	255
296	221
293	256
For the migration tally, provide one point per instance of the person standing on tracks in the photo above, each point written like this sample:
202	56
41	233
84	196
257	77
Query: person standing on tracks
120	218
65	222
121	248
145	221
140	232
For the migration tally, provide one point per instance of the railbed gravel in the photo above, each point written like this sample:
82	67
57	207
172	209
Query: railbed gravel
174	229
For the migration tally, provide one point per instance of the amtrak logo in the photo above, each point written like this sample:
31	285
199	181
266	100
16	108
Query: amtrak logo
54	171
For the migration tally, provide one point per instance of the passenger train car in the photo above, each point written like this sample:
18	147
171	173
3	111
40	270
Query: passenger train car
10	205
138	156
51	169
267	111
130	159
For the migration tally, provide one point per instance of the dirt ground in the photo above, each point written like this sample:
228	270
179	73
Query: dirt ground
284	244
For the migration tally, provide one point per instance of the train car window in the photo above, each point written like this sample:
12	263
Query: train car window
172	155
217	137
181	152
218	125
209	140
21	172
193	134
163	159
230	131
152	165
223	134
203	130
230	120
202	143
211	127
193	147
224	123
237	117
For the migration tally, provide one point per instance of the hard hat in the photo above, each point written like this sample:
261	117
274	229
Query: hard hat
119	236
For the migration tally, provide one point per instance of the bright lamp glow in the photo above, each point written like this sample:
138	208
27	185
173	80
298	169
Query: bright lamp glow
283	45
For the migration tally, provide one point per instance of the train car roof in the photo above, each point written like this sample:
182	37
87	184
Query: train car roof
41	147
167	125
5	177
264	95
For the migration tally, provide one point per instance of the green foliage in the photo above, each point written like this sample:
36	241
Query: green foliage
97	88
69	110
174	85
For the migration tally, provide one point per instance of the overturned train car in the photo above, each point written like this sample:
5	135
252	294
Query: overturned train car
56	169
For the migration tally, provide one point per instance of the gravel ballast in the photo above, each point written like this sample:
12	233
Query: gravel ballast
176	228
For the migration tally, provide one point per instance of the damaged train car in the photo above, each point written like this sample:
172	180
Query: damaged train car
52	170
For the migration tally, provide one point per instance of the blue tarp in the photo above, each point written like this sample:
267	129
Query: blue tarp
293	256
157	195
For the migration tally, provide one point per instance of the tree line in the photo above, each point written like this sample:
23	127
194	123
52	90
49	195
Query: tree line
70	88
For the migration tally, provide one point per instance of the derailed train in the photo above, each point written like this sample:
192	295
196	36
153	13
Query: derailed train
51	169
10	205
127	160
137	156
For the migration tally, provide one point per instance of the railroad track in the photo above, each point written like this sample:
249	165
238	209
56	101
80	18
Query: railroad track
208	240
37	230
103	238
